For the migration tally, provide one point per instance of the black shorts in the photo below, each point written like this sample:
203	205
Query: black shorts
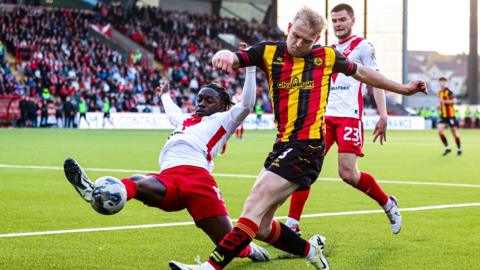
449	121
84	115
299	162
106	115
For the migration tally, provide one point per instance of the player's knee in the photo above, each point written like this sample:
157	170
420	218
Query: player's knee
137	177
150	191
348	175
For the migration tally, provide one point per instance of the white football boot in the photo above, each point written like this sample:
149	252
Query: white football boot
318	260
78	178
394	216
259	254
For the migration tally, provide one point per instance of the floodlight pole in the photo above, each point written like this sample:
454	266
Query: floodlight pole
365	5
405	42
472	79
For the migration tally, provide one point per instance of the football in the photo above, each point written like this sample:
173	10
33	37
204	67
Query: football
109	195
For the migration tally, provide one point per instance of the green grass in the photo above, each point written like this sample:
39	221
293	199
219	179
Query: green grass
34	200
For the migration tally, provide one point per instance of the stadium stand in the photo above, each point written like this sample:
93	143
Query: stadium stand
58	57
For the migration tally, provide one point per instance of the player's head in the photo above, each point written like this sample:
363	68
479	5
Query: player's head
343	19
443	82
304	31
212	99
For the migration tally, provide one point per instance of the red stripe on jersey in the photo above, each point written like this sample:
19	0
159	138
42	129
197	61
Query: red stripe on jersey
360	101
245	58
346	40
214	140
283	94
191	121
354	44
315	97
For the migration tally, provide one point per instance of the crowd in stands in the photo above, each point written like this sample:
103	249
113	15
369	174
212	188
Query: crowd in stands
185	43
60	61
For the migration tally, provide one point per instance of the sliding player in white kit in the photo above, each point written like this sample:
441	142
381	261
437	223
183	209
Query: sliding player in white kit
185	181
344	125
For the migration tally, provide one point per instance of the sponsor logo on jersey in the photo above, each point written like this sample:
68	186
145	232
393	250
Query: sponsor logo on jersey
339	87
296	83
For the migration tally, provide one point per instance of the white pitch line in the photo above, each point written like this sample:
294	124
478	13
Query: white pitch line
398	182
187	223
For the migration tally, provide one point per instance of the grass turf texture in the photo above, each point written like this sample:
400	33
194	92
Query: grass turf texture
42	200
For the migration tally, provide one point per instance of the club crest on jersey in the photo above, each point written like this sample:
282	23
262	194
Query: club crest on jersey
317	61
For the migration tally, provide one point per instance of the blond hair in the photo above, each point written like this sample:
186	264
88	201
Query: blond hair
312	19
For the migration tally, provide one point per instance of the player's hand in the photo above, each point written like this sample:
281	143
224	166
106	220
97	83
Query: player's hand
163	88
416	86
380	130
243	46
223	60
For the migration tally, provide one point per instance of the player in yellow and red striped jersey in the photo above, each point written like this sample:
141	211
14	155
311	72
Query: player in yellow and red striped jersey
447	116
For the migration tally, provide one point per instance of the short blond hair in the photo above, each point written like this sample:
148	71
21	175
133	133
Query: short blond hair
312	19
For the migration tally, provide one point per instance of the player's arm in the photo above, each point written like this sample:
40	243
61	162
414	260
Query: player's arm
368	58
241	110
173	112
376	79
226	60
381	126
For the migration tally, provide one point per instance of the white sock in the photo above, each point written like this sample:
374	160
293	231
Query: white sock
388	205
207	266
291	222
448	148
311	252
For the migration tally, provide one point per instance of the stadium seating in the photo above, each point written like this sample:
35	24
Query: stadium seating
57	56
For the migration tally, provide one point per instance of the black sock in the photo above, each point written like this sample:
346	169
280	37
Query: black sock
287	240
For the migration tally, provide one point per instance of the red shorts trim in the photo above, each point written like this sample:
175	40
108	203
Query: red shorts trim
347	132
192	188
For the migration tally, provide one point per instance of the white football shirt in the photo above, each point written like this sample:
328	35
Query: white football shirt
346	93
197	140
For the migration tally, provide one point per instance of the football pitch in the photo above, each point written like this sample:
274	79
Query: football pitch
44	224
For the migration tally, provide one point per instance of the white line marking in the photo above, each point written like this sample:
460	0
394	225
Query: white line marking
187	223
244	176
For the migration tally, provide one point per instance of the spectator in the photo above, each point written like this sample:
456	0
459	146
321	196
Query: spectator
44	114
69	113
477	118
32	113
467	117
3	53
59	112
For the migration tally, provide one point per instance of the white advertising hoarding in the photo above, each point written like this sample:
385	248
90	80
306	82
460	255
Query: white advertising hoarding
160	121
